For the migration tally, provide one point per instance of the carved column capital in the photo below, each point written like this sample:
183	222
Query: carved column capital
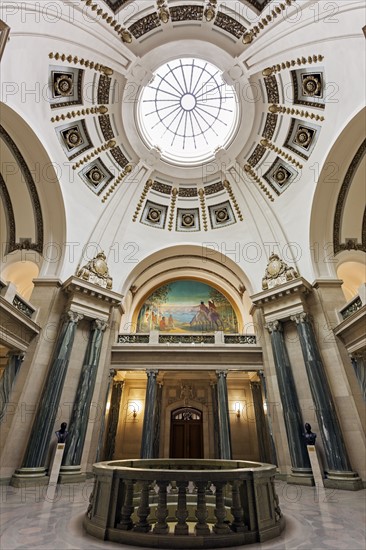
221	373
74	316
151	373
300	318
112	373
100	325
274	326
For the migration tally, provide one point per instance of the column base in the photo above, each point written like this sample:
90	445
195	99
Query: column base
301	476
71	474
348	481
29	476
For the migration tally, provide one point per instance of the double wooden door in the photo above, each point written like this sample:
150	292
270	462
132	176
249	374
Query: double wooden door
186	436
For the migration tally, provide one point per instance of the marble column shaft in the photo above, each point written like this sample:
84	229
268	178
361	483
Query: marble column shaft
148	430
261	423
114	393
334	447
359	366
8	378
45	418
80	414
215	414
224	422
290	402
268	418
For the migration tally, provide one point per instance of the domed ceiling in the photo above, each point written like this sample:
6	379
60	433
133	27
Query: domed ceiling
198	115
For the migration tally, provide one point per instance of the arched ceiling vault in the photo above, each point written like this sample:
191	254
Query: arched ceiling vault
78	80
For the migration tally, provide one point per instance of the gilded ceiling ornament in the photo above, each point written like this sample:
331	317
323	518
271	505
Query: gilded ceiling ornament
96	271
249	35
311	85
201	193
266	143
163	11
277	272
84	62
291	111
252	173
111	143
268	71
210	11
64	85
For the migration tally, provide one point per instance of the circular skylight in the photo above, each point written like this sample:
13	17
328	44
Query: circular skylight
188	111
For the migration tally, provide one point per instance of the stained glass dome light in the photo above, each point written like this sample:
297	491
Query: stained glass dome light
188	111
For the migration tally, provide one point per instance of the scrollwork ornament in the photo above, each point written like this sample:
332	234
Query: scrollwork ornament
99	324
299	318
274	326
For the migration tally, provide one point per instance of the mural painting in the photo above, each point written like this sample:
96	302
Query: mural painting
186	307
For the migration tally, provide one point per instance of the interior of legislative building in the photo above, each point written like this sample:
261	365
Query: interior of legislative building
183	244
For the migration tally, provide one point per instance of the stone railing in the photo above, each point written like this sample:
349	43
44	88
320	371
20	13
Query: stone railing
354	305
9	293
217	338
182	503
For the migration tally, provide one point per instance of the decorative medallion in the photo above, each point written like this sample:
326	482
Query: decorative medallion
302	137
96	271
65	86
96	176
309	87
74	138
221	215
154	215
188	219
312	85
277	273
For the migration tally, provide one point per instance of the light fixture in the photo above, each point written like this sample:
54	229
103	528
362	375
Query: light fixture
237	409
134	412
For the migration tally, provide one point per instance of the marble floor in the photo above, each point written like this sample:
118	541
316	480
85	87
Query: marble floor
329	519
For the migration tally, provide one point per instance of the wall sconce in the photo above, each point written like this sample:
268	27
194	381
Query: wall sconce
237	409
134	407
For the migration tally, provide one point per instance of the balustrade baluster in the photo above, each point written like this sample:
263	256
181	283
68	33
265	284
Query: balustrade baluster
220	527
181	514
126	522
201	527
161	526
237	509
143	511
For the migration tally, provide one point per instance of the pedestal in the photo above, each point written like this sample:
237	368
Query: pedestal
316	465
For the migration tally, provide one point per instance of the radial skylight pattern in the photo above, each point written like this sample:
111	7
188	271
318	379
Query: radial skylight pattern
188	110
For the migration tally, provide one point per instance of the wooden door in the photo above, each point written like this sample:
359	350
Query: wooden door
186	436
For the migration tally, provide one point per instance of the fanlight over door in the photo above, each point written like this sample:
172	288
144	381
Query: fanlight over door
186	437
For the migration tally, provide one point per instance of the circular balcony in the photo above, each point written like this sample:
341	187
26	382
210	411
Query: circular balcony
183	503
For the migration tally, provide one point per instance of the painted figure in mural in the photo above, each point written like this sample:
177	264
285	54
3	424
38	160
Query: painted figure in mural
309	436
214	316
170	322
201	317
62	433
162	324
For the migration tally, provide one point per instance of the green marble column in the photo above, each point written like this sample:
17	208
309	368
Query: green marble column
44	422
224	421
358	360
338	463
80	413
215	416
268	418
290	404
148	429
8	378
261	423
113	417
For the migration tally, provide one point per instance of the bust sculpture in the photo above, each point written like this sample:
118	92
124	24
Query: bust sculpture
62	433
309	436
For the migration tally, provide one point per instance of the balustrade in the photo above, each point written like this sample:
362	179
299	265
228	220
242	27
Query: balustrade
151	503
